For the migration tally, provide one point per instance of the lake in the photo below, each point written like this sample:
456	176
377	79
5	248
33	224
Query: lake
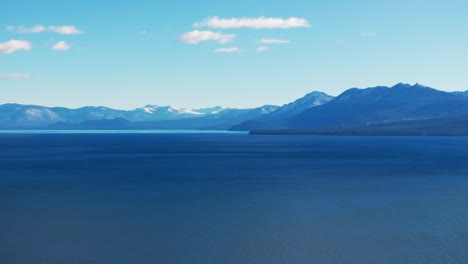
231	198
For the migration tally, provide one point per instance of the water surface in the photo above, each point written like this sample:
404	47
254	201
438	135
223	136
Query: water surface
232	198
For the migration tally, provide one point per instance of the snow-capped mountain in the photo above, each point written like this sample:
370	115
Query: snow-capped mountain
32	116
211	110
310	100
158	113
286	111
16	115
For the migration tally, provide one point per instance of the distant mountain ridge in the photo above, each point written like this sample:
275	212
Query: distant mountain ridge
17	116
378	105
400	109
278	117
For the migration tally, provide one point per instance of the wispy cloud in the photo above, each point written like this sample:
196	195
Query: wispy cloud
256	23
14	76
23	29
274	41
14	45
368	34
61	46
196	36
263	49
228	50
64	30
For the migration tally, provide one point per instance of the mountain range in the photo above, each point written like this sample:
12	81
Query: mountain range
17	116
401	109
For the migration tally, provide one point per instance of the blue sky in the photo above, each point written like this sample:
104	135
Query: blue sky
127	54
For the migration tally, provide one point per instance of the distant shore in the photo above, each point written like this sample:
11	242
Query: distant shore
362	132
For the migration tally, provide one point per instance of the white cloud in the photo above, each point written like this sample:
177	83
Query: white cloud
228	50
61	46
257	23
14	45
23	29
368	34
274	41
64	30
263	49
14	76
193	37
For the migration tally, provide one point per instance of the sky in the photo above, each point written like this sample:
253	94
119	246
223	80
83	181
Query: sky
244	53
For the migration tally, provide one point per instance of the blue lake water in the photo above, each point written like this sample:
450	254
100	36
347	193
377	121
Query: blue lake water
232	198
